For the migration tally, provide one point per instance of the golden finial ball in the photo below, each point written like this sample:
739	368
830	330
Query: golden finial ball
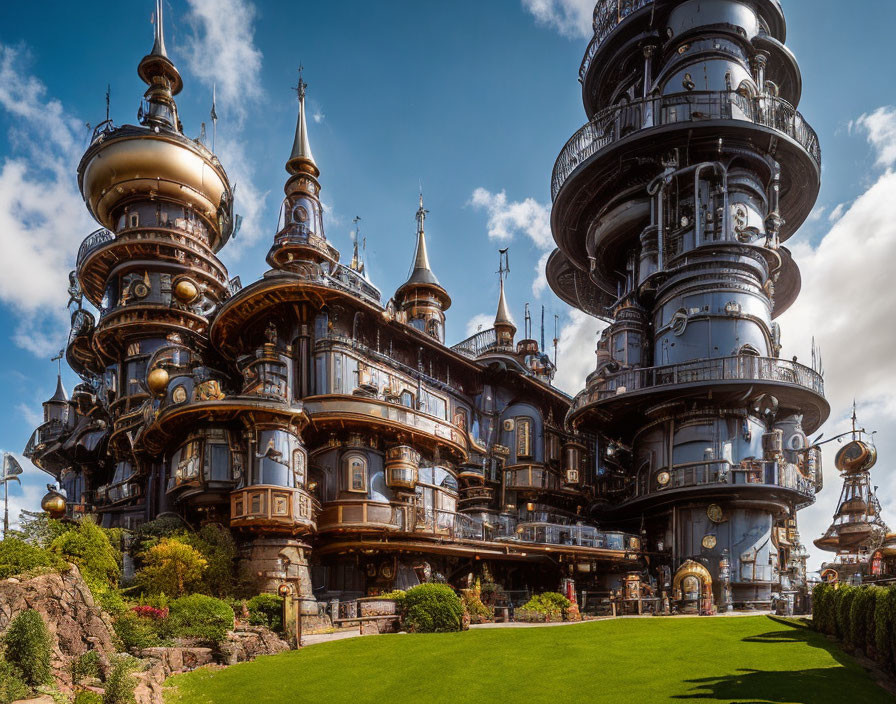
185	291
157	381
53	504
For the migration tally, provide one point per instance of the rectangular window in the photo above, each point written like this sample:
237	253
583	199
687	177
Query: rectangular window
523	437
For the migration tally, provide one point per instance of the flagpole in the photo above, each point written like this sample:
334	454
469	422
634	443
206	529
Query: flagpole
5	499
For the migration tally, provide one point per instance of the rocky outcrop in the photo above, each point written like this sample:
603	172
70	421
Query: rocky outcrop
76	623
248	642
161	663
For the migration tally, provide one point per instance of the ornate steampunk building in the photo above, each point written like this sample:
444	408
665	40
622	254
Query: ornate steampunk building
671	207
349	449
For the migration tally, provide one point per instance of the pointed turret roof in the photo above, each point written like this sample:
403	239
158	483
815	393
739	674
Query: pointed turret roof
301	158
421	273
156	62
502	317
60	396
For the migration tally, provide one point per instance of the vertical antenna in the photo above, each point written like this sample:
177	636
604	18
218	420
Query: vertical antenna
542	330
108	99
214	116
528	323
503	263
853	419
556	337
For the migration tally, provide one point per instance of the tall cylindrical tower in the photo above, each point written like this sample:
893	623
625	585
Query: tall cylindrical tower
671	207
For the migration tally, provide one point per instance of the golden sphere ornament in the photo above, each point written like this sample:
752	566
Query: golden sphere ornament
54	504
157	381
185	291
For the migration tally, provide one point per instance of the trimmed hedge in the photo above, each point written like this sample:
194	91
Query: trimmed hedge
432	608
862	617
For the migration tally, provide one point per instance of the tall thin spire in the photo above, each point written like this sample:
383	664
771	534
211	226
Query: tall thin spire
158	46
301	148
503	320
422	274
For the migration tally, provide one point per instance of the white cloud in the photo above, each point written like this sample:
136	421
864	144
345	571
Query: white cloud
880	129
817	213
480	321
847	303
318	116
528	217
221	53
508	218
30	415
575	351
837	212
42	216
572	18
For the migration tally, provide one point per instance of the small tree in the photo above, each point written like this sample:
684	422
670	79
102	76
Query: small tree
171	567
89	547
28	647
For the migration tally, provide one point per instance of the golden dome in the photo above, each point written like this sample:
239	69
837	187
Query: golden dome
185	291
157	380
54	504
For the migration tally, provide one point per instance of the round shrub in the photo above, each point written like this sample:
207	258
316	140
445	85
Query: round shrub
89	547
88	697
28	647
12	684
18	557
432	608
137	632
171	567
199	616
266	610
86	665
548	604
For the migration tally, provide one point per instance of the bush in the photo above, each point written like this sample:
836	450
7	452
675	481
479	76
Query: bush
847	595
858	616
432	608
266	610
28	647
85	666
822	599
138	632
216	545
18	557
199	616
171	567
120	684
548	604
472	599
88	697
149	533
12	684
39	529
90	548
882	625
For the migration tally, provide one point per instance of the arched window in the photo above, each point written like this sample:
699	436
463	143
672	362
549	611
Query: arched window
355	472
407	399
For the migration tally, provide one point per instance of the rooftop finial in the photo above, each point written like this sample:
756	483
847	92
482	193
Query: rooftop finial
301	148
502	317
421	216
158	47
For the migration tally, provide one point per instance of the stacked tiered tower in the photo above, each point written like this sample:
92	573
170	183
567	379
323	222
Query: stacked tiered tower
671	207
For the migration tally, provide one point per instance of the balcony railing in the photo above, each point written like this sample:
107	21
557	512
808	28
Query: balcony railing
738	368
533	477
718	473
418	520
480	343
271	507
92	242
618	121
607	15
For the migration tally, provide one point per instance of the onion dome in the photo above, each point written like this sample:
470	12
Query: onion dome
154	160
422	280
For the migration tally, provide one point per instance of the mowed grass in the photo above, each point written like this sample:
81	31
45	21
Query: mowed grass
749	659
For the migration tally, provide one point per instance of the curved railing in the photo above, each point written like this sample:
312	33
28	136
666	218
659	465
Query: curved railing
93	241
480	343
618	121
607	15
738	368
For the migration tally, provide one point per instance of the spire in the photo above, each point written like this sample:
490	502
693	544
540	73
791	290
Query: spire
158	47
156	63
421	273
502	317
301	155
60	395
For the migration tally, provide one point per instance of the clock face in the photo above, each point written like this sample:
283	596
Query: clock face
663	478
709	542
300	213
714	513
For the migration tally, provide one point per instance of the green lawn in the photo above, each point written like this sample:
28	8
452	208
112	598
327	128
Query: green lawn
751	659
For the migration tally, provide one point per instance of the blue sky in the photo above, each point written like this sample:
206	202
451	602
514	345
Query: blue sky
470	99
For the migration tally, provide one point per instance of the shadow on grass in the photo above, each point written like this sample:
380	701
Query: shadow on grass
829	684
